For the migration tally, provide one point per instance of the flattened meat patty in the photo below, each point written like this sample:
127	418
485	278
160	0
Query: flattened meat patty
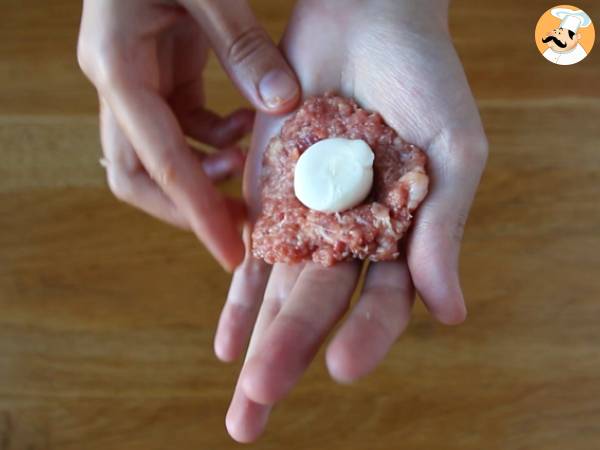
289	232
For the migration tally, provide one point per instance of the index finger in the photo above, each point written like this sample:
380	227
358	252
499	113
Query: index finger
160	144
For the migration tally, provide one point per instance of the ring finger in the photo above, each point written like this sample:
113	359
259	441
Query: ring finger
379	317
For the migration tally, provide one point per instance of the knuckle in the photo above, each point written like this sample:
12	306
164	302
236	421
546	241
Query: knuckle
84	56
468	154
108	66
390	325
449	228
300	321
100	60
457	232
315	276
162	168
247	45
473	150
386	317
480	150
119	184
253	272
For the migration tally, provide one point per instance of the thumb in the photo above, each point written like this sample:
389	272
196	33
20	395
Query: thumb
247	53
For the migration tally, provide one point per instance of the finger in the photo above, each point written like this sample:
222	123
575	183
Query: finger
227	163
211	129
379	317
434	243
319	298
247	53
246	419
248	288
154	132
204	125
265	128
279	288
130	183
127	178
140	191
237	211
242	304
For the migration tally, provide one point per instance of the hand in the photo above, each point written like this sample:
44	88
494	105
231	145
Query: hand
394	57
146	58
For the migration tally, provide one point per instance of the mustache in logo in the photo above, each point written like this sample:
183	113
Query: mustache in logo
556	41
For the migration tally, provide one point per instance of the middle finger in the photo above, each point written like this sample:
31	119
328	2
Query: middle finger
317	301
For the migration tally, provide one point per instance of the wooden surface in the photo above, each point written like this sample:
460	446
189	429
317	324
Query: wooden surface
107	316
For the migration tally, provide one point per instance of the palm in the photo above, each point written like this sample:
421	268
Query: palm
414	79
430	96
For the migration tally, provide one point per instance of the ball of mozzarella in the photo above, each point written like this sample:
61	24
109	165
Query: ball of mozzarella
334	174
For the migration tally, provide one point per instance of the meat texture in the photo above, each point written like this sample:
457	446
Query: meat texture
287	231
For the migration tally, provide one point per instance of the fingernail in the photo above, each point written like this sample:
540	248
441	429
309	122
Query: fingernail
276	88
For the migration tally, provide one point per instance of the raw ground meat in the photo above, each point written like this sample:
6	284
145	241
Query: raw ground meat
289	232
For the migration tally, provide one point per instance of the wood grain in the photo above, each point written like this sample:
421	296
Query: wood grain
107	316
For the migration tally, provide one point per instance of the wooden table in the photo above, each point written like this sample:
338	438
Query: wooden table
107	316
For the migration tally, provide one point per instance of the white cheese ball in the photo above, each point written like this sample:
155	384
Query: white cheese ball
334	174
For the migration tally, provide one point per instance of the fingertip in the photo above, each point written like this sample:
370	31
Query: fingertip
229	265
438	284
240	155
232	260
340	364
239	424
243	113
224	164
448	309
245	117
235	254
239	432
235	325
279	91
240	122
454	314
214	225
223	346
249	55
225	357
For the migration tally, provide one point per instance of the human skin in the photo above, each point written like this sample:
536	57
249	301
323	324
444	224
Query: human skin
396	58
146	59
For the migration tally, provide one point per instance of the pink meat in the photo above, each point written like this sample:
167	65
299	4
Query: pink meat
289	232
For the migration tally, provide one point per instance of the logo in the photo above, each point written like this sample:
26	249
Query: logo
564	35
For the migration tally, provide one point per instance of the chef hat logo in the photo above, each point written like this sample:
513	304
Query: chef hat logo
565	35
571	19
